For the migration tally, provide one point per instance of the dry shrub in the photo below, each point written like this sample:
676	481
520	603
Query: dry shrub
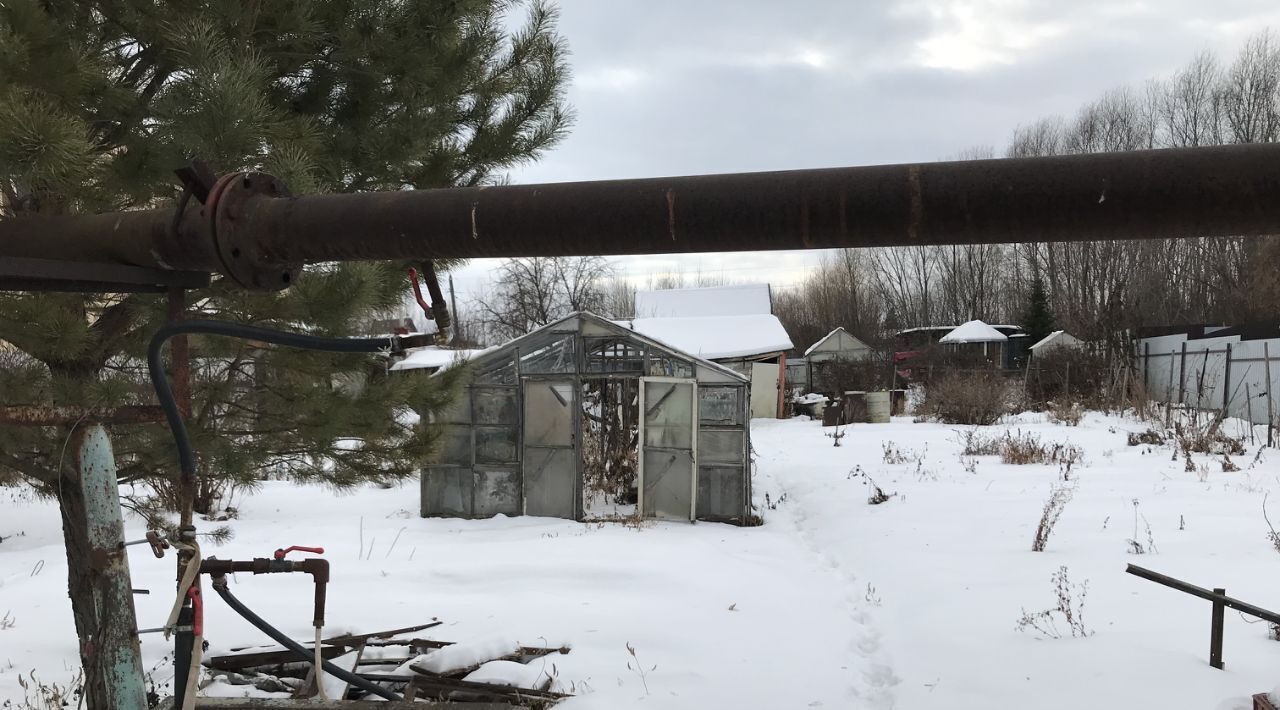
1150	437
1024	449
866	374
1065	414
971	398
1059	496
1069	607
1093	380
977	444
1020	449
1207	438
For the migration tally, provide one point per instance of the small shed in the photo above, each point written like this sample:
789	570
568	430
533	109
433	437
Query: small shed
1055	340
588	419
838	344
730	325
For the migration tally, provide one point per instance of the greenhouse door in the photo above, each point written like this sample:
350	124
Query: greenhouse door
550	464
668	436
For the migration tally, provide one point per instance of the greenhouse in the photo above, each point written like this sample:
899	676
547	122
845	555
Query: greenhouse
588	420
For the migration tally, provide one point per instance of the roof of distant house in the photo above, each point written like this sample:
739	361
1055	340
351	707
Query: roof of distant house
738	300
975	331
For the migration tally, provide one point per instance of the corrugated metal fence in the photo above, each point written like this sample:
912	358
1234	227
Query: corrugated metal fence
1223	374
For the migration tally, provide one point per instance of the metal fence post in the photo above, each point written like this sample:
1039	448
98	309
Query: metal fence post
1226	385
1215	631
1182	375
1146	366
1266	362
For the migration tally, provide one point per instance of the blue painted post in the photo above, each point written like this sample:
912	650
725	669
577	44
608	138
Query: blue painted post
113	676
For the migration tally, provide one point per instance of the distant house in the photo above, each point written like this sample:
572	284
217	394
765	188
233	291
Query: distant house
1004	345
730	325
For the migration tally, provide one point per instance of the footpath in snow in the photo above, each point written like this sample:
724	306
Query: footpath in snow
946	568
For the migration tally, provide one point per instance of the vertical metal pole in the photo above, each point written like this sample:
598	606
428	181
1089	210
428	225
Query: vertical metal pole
1215	631
180	367
1226	385
1146	365
1168	393
1182	375
1248	409
1271	413
116	670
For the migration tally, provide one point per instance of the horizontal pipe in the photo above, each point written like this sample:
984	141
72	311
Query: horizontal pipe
1185	192
1181	586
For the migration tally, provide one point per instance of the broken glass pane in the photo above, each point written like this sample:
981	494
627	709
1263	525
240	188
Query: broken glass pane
556	357
661	365
613	355
501	373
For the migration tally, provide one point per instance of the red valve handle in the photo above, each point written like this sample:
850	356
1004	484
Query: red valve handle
197	608
286	550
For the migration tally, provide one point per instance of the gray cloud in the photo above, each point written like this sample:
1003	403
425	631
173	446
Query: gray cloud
669	87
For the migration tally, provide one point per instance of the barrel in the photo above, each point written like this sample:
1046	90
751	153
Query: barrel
855	406
878	407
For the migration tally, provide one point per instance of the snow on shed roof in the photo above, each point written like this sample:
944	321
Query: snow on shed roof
717	338
1058	338
738	300
975	331
434	357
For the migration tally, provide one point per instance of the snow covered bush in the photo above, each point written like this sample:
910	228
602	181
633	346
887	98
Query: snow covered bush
972	398
1069	608
1059	496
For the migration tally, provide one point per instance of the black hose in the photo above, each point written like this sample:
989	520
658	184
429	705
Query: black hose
280	638
155	366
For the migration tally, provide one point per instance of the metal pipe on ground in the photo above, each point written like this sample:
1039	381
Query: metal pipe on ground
252	230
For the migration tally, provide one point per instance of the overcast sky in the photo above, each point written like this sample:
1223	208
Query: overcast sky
681	87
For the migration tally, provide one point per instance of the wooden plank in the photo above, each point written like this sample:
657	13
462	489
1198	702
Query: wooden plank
350	639
1215	630
265	659
287	704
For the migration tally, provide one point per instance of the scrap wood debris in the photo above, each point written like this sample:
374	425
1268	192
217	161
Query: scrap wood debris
482	670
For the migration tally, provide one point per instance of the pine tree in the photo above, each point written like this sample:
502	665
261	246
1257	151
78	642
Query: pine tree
101	100
1038	319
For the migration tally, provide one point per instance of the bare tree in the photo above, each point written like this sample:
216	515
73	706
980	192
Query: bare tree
533	291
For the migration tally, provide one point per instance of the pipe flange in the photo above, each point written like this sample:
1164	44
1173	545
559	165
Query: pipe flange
229	210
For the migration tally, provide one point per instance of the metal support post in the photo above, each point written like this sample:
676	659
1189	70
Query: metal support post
109	649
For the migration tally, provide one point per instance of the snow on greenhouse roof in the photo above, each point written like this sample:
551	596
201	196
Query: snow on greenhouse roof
739	300
975	331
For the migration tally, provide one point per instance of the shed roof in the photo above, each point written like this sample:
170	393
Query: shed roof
975	331
1058	338
434	357
717	338
737	300
835	334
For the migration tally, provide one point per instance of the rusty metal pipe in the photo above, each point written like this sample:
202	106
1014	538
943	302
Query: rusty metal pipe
254	232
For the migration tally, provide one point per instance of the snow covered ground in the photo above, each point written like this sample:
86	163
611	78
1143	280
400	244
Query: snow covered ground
832	603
